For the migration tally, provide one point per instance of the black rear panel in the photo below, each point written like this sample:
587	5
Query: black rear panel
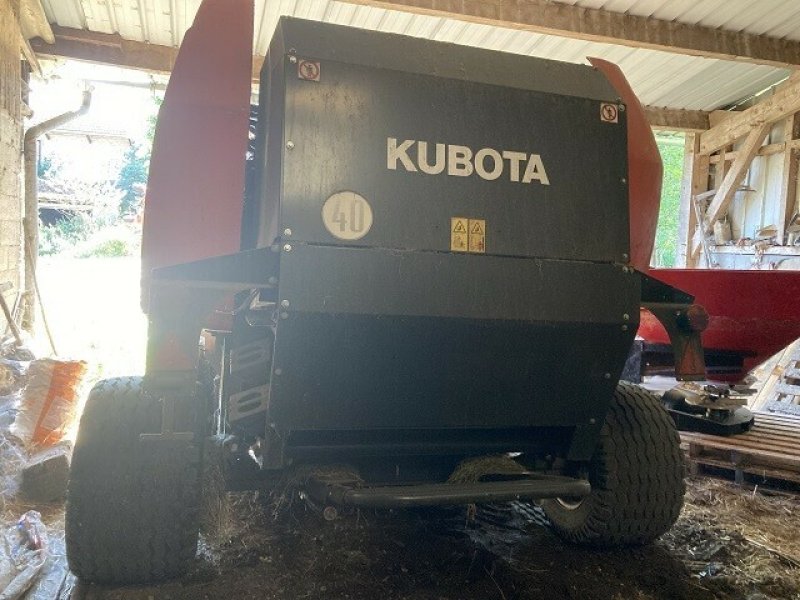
375	151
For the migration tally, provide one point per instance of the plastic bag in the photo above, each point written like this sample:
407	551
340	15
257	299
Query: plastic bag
12	375
49	405
24	552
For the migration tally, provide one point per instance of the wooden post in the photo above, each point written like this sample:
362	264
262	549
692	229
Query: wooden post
733	179
695	181
788	197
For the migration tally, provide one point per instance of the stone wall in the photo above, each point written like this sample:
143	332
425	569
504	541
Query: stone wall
10	149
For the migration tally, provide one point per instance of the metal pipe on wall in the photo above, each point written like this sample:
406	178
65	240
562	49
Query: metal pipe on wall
31	219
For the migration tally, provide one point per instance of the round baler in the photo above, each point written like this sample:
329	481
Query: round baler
431	264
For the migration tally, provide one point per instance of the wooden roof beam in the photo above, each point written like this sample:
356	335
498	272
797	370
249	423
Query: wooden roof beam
113	49
33	21
596	25
784	102
674	119
723	196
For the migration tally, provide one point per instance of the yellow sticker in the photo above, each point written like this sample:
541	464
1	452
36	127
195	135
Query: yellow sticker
458	234
477	236
467	235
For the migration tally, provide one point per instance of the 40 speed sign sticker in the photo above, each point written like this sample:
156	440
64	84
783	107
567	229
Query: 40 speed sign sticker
347	216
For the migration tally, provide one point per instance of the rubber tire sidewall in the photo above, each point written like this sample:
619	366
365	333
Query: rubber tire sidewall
637	477
132	506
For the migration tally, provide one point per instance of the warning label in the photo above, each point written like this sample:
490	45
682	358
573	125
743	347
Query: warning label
467	235
477	236
458	234
609	113
308	70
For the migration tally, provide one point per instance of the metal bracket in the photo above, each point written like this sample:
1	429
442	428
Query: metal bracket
167	425
684	323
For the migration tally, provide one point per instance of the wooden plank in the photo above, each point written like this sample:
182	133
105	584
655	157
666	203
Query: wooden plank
778	419
783	102
715	117
788	194
763	471
33	21
757	443
786	356
733	179
765	150
112	49
724	444
745	439
695	181
597	25
30	55
675	119
780	428
787	389
779	436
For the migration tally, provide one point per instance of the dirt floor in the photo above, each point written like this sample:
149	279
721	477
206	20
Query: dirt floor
730	542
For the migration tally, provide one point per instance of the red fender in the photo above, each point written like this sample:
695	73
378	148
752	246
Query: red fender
644	169
194	191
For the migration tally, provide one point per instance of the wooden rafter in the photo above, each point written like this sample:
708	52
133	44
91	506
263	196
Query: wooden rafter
596	25
674	119
788	195
721	201
784	102
113	49
766	150
695	181
33	21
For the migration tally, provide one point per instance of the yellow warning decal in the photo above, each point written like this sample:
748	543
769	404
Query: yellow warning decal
458	234
467	235
477	236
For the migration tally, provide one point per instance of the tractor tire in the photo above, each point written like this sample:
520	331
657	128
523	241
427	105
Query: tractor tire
636	475
132	506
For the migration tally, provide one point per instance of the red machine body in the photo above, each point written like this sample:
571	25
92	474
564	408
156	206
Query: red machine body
196	183
754	313
644	169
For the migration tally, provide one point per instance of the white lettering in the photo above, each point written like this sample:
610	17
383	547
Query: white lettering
535	170
480	164
514	158
422	158
395	153
459	161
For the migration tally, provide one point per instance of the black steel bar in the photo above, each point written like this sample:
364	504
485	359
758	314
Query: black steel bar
439	494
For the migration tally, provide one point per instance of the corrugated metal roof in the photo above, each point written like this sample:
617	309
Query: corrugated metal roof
659	78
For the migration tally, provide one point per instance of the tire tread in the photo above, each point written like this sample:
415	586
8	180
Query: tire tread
132	507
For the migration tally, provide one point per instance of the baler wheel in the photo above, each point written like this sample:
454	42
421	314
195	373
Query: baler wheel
132	506
636	476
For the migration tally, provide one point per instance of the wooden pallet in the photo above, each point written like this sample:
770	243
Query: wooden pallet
771	449
780	391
